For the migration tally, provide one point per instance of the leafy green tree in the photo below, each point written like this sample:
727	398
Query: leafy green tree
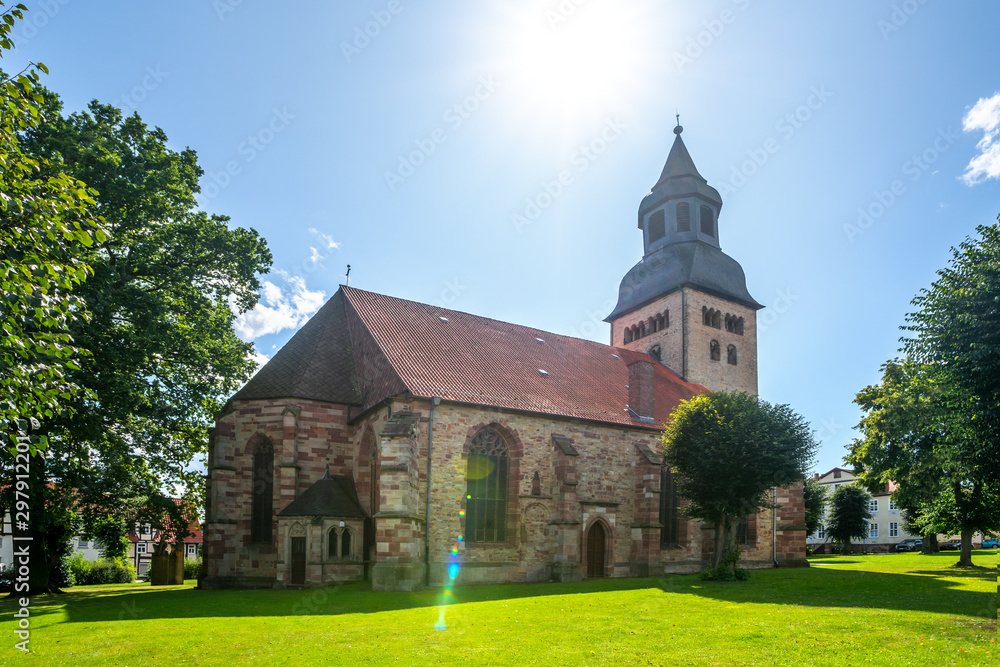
850	512
45	223
730	450
814	497
167	284
904	429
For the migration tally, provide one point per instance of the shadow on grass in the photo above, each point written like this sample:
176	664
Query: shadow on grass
932	590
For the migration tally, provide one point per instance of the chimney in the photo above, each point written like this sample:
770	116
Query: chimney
640	388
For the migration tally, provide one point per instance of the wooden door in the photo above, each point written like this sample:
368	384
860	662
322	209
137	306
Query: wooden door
595	550
298	560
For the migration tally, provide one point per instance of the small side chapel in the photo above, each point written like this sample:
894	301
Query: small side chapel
405	444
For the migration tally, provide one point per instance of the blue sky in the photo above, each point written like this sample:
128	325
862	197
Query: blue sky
854	143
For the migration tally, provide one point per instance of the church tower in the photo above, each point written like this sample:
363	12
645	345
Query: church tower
686	302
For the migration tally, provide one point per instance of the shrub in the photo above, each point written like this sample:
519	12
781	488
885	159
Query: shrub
79	567
7	580
102	572
192	568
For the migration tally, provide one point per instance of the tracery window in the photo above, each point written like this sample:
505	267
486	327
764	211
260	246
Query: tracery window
486	488
669	509
262	506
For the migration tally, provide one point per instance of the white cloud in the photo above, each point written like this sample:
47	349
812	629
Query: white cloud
279	308
326	239
260	359
984	116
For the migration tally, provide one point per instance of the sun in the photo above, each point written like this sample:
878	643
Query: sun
575	62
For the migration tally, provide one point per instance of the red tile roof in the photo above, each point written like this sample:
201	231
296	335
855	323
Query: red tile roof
472	359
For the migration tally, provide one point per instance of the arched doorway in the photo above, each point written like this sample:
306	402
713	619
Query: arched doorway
596	548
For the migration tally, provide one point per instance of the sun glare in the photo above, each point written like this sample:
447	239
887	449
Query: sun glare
574	62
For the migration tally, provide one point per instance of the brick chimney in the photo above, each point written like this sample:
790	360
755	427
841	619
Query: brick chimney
640	388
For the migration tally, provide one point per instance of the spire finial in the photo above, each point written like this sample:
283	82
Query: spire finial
678	129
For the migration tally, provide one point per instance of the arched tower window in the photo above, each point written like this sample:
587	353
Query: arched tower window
706	316
714	350
262	506
656	352
707	221
628	336
486	488
657	227
717	319
683	217
731	355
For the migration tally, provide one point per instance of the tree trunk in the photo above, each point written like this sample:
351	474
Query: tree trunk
965	559
720	533
930	544
848	549
30	536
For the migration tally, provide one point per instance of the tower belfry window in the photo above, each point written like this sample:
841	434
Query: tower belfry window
707	221
683	217
657	227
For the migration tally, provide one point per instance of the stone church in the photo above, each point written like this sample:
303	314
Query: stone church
411	445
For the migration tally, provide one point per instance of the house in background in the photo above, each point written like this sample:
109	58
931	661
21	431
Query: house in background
81	543
144	538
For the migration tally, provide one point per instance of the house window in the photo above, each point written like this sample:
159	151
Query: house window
486	488
892	505
873	505
707	221
893	529
669	509
683	217
836	474
731	355
191	549
140	547
263	492
657	227
821	532
147	529
714	350
873	530
345	543
82	544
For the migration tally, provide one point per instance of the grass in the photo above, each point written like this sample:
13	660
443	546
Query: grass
897	609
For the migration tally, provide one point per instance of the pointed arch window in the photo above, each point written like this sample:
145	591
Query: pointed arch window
262	502
707	221
657	227
683	217
669	509
486	488
345	543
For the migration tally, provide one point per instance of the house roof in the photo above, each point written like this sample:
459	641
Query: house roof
462	357
317	363
330	495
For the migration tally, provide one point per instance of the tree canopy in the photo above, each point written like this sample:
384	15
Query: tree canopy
814	497
45	224
730	450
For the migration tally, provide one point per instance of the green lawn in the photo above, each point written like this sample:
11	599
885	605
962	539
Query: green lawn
887	610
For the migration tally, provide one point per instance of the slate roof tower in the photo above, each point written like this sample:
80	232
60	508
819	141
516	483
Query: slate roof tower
686	302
